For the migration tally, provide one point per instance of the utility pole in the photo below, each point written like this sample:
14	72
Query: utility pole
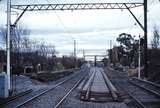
95	60
110	51
139	58
83	54
110	44
145	40
75	48
75	56
8	42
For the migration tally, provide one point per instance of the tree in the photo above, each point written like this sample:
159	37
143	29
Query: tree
153	57
105	61
27	52
155	39
3	34
125	39
128	49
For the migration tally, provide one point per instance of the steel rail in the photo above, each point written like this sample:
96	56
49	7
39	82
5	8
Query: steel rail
69	92
144	88
38	95
110	87
90	85
136	101
148	82
76	6
139	103
147	89
17	96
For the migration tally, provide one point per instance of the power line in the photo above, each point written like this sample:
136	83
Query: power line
57	16
64	27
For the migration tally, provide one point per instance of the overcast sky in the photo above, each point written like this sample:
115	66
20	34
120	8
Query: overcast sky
92	29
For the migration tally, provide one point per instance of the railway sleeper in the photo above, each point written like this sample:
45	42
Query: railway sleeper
99	97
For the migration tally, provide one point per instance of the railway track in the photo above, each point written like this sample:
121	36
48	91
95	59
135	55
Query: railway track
65	93
98	87
68	93
147	85
12	98
39	96
74	100
138	93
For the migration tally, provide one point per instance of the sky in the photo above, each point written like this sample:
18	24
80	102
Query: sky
92	29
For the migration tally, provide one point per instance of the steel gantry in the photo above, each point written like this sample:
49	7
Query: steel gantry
82	6
95	57
78	6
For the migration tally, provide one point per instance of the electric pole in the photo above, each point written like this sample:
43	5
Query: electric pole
145	40
110	44
84	55
8	42
95	60
75	48
139	58
110	51
75	56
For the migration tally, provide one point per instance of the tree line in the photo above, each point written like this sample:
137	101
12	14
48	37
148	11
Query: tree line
127	53
33	55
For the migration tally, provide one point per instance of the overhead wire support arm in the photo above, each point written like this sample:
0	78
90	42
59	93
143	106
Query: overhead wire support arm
14	24
134	17
76	6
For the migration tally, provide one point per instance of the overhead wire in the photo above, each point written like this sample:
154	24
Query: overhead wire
58	17
61	22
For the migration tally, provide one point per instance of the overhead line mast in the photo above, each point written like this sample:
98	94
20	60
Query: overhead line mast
8	42
145	41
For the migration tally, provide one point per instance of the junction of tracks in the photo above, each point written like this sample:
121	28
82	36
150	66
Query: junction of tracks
92	87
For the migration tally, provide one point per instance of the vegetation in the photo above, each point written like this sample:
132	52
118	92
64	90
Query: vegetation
155	39
126	53
154	57
33	56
